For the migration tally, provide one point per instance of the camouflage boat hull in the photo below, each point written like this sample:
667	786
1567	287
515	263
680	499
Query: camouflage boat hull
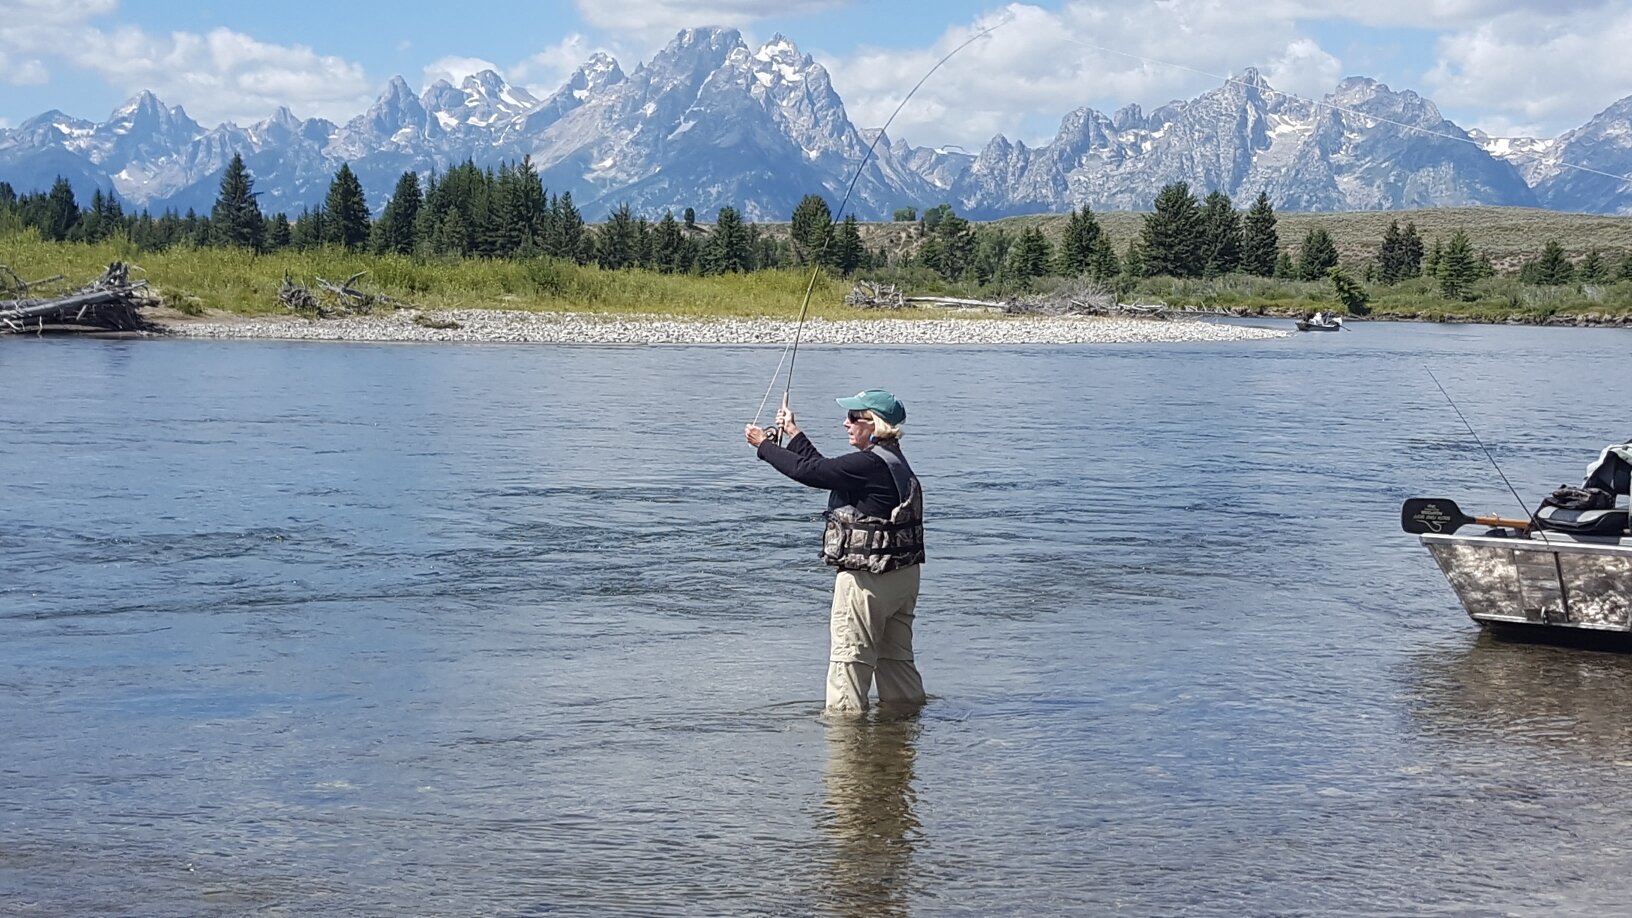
1548	578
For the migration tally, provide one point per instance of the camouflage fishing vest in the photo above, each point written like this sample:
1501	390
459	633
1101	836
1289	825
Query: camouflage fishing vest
854	541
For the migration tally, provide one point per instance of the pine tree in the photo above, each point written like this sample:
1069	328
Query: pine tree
1103	265
345	222
1259	241
1133	260
1284	268
848	252
236	217
91	227
307	233
57	213
1082	234
958	242
1551	269
729	248
667	244
277	234
1349	292
399	222
1171	238
990	262
904	215
1456	268
1222	238
617	242
1317	255
1391	255
1593	269
812	230
451	236
1410	251
1030	255
564	229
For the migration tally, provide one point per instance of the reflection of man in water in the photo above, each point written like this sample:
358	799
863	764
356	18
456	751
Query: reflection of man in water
869	814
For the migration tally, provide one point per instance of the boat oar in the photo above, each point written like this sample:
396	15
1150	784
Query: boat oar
1442	516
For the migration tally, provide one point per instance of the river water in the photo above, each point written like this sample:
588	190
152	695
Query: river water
310	628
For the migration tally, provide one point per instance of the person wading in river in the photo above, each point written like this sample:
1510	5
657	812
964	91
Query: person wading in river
875	537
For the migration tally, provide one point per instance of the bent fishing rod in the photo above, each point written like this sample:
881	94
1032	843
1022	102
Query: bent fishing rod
790	353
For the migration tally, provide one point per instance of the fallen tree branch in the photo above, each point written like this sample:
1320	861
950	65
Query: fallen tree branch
111	302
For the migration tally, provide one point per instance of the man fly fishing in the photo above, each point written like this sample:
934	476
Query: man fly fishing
874	536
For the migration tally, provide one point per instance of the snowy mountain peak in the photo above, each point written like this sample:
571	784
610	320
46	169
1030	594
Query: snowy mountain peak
397	92
594	75
489	87
144	103
780	48
709	122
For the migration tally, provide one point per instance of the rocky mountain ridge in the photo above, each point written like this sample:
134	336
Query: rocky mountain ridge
710	121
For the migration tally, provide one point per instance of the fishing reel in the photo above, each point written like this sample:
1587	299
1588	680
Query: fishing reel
773	434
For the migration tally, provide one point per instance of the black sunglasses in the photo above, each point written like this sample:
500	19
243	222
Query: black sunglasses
860	417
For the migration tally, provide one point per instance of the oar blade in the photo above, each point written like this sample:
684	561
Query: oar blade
1421	515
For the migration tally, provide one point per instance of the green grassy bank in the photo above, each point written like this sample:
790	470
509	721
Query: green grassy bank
199	281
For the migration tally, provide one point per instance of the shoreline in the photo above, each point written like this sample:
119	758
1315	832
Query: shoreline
522	327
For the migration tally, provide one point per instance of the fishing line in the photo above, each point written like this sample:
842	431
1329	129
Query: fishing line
1481	443
1336	108
790	352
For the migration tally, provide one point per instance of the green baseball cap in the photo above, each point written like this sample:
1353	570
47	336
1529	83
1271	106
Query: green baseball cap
877	401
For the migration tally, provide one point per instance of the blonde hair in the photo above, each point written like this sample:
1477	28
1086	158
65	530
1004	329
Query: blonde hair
882	429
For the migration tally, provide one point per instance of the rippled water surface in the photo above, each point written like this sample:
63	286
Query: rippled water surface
314	628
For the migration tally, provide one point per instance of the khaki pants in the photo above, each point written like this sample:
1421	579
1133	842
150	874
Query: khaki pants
871	632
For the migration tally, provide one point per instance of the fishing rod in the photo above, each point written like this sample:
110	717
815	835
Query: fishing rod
1510	488
790	353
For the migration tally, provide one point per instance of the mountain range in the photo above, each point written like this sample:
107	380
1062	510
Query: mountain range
710	121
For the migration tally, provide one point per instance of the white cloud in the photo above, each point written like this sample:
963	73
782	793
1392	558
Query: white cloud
31	29
1545	64
1535	73
455	69
544	72
1044	63
22	72
654	19
1304	68
221	75
225	75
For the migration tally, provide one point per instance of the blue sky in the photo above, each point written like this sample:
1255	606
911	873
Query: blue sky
1532	67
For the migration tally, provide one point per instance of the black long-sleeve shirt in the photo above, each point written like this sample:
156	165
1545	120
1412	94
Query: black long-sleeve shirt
858	478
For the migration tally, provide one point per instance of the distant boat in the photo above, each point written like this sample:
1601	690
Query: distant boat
1323	325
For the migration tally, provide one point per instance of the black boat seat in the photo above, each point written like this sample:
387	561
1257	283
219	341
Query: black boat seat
1607	522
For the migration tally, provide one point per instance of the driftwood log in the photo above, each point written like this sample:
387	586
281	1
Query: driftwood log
342	299
870	295
299	298
109	303
353	300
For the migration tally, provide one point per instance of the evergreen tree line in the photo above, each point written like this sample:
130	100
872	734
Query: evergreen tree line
468	212
474	212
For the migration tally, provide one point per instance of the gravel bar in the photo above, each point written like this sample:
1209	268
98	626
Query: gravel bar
509	326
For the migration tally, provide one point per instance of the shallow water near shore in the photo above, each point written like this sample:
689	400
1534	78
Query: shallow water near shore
312	628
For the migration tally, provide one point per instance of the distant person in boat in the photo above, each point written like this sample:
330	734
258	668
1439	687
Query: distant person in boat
875	537
1319	319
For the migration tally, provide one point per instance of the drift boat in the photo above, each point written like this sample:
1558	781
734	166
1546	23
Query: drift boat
1562	568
